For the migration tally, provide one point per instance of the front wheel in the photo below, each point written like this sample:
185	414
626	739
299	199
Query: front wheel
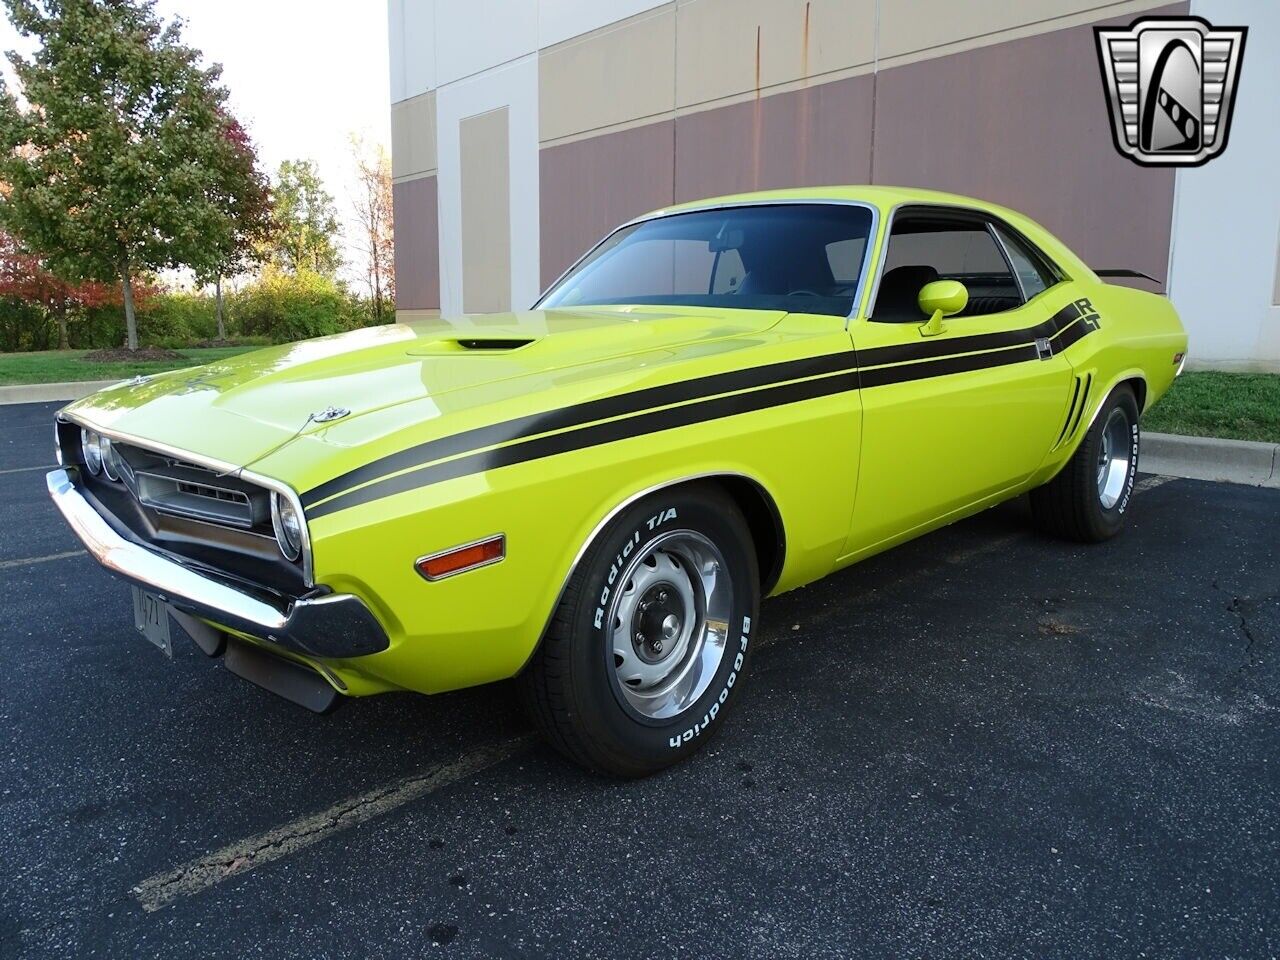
1088	498
650	643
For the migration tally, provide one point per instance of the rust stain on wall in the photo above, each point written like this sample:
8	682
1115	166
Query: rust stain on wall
802	161
804	46
757	120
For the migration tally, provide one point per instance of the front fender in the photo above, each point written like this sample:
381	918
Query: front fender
483	625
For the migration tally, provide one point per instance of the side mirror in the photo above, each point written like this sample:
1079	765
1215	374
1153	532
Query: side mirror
939	299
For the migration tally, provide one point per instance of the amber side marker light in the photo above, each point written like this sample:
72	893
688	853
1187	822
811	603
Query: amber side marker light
457	560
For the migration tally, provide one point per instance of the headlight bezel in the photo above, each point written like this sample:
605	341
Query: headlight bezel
283	512
91	451
107	452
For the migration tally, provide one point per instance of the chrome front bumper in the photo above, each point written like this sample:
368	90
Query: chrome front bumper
335	625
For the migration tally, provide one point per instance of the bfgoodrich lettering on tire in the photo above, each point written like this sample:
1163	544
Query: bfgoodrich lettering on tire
1088	498
652	639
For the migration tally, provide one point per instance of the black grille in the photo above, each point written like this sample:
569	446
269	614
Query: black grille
182	489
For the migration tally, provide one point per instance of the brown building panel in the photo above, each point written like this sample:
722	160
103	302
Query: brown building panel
417	244
810	137
590	186
1024	123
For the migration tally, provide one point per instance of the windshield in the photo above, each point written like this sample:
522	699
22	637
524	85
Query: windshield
802	258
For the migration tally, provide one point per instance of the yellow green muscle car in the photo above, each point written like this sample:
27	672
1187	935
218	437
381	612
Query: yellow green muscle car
720	402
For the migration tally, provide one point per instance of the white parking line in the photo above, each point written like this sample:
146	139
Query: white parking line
27	561
197	875
24	470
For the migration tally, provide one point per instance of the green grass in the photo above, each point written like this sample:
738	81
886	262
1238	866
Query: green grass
1236	406
60	366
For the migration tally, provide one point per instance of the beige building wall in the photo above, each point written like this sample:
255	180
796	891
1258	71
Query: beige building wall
673	101
413	137
486	212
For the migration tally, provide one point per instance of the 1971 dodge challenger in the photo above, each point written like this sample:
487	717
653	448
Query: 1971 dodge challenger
719	402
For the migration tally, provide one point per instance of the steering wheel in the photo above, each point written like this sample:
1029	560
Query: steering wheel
804	293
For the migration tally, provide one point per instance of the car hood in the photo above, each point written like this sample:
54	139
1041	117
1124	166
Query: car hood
236	411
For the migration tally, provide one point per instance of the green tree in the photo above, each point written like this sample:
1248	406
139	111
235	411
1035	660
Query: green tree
306	221
238	238
121	156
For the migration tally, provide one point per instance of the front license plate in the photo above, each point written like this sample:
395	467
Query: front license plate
151	617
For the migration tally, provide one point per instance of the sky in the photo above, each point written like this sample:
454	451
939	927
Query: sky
303	76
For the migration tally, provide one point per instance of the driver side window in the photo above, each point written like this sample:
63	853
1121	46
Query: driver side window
924	248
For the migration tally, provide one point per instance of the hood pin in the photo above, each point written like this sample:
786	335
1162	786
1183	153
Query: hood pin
329	413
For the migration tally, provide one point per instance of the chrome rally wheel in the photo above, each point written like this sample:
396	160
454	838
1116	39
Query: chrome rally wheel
670	623
1115	456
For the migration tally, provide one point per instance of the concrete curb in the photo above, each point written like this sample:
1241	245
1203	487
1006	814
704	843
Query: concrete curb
44	392
1208	458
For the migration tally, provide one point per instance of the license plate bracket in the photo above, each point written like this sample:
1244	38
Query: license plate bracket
151	617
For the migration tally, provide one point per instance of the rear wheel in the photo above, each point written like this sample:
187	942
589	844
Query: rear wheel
1088	498
650	642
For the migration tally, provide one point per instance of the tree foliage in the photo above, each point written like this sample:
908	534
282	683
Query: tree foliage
306	222
121	155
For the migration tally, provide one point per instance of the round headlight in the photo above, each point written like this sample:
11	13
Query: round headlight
108	454
92	452
287	525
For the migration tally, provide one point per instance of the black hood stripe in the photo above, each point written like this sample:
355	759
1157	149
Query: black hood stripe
638	425
633	414
579	414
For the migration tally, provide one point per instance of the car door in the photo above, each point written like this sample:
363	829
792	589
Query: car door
954	419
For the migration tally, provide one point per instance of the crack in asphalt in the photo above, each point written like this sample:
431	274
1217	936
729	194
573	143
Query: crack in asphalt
1240	608
191	878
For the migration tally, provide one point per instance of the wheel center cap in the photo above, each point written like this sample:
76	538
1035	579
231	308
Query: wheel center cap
659	620
670	626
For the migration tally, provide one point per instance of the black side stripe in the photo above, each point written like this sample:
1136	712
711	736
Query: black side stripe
882	376
603	409
982	341
594	435
1010	347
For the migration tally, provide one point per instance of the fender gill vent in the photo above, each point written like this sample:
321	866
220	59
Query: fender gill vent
1075	398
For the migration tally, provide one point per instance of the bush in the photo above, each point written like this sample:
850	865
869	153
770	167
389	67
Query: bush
175	320
277	308
284	307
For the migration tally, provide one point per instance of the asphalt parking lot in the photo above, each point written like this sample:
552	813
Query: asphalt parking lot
982	744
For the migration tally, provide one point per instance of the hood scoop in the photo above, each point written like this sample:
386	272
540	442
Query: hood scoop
463	345
493	343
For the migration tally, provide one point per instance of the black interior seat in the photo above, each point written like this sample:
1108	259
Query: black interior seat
898	299
981	305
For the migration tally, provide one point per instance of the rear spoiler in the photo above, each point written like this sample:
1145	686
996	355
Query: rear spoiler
1134	274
